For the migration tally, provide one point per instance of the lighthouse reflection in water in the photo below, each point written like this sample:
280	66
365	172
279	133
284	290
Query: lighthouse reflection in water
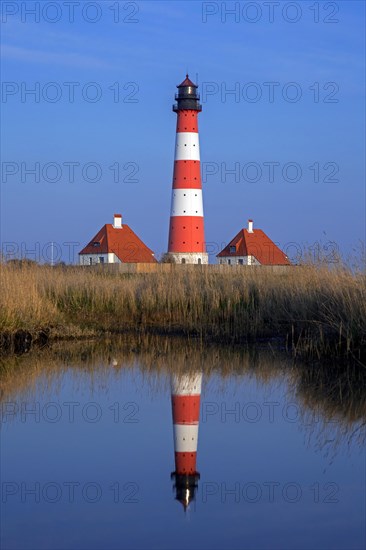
186	395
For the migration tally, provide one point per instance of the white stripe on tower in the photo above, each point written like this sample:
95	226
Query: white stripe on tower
187	146
187	202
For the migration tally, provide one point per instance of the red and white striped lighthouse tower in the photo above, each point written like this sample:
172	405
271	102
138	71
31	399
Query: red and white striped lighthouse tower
186	395
186	232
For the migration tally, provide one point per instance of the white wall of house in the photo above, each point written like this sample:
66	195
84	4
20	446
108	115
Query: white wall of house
239	260
94	259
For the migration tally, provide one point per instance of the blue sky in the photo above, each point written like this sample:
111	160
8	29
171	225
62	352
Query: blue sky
312	50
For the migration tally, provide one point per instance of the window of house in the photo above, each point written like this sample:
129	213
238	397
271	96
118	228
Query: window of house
229	262
183	260
101	260
241	261
96	243
199	260
232	249
90	261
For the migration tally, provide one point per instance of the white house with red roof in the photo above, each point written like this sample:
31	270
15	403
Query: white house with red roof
114	244
252	247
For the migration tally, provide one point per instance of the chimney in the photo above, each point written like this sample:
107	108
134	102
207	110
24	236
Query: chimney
117	221
250	226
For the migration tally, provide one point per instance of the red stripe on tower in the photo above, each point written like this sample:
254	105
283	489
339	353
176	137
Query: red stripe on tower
186	394
186	231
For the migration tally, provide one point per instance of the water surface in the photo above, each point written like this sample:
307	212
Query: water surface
88	461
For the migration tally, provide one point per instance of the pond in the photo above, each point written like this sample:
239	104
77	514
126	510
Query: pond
163	443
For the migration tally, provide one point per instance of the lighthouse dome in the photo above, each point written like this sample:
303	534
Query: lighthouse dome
187	82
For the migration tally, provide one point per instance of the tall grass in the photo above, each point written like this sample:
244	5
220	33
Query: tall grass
315	310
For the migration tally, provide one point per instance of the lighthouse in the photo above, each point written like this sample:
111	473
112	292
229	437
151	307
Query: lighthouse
186	232
186	395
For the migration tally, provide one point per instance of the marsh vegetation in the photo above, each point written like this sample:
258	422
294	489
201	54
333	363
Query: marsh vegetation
312	310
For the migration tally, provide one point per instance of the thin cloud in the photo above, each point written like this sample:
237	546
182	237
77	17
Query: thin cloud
68	59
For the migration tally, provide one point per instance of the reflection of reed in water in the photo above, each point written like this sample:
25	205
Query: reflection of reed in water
154	355
336	393
332	400
186	395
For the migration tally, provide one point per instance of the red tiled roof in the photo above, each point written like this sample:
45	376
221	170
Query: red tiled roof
187	82
125	244
256	244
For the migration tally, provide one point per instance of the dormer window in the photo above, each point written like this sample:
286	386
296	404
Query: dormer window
232	249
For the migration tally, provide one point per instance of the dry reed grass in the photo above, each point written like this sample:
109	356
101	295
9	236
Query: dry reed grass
316	310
